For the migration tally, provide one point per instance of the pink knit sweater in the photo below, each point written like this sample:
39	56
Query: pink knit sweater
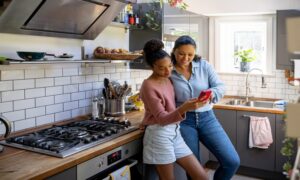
159	102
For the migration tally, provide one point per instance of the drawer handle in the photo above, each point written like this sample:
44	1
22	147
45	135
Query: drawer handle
246	116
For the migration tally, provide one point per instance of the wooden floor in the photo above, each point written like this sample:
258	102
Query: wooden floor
245	173
235	177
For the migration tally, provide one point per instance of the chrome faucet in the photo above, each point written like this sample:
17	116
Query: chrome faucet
263	83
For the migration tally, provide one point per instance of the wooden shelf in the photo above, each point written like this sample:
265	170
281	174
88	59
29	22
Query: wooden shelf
68	61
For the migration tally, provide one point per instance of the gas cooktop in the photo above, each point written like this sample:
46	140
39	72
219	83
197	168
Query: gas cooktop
68	139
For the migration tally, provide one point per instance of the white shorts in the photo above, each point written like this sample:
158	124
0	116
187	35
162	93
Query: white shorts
163	144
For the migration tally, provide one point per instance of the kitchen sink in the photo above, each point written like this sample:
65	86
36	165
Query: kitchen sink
264	104
242	102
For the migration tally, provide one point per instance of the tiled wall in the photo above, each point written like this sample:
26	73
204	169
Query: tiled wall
277	86
32	95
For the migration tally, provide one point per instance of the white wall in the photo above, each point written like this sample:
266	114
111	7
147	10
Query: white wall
212	7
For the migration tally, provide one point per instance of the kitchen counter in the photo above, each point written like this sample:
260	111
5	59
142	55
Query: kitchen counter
223	105
21	164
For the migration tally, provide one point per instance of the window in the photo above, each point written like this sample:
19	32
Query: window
234	33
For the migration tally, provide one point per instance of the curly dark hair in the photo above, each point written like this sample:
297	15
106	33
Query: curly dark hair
184	40
153	51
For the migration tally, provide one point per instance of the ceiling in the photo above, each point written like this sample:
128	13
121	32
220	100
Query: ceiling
228	7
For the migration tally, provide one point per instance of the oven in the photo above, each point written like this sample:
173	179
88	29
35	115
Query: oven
103	165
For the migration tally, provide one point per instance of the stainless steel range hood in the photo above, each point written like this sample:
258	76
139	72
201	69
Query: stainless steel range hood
80	19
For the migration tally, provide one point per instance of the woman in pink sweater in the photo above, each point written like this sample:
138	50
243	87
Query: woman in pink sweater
163	144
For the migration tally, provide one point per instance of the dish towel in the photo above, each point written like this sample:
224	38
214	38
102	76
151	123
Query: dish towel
121	174
260	132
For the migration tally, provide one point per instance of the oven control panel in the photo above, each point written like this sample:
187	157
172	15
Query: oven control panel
114	157
100	163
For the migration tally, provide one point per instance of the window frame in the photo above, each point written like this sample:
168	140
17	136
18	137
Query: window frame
214	39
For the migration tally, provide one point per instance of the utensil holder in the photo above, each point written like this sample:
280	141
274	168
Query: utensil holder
114	107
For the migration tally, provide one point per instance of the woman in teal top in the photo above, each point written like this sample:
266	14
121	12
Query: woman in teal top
190	76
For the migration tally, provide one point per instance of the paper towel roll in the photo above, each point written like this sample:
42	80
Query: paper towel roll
297	68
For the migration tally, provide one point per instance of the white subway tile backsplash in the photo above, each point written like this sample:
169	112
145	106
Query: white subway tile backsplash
109	69
62	81
85	87
44	82
23	84
85	102
92	78
41	120
77	79
116	76
11	74
6	85
54	90
70	71
98	70
70	105
24	104
135	74
15	115
34	112
71	88
279	85
24	124
78	112
90	94
43	101
63	116
54	108
98	85
102	76
32	93
62	98
125	75
6	107
12	95
86	71
77	96
34	73
53	72
291	91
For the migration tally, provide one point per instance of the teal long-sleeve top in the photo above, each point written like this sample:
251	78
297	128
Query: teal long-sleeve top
203	77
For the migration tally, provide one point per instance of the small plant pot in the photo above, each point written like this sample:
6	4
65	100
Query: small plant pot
245	66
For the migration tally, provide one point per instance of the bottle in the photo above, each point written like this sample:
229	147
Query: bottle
137	20
101	107
95	110
131	19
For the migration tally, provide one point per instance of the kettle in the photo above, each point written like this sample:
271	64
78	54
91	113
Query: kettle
7	125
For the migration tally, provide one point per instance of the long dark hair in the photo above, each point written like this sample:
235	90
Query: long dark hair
153	51
184	40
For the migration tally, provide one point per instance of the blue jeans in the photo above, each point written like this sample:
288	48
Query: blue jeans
204	127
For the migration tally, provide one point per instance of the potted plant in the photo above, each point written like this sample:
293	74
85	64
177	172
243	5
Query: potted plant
246	56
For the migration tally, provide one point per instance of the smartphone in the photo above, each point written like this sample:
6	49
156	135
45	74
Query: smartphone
204	95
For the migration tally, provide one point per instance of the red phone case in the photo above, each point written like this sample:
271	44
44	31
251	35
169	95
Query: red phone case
204	95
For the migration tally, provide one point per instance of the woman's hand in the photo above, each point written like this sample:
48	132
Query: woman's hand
142	127
191	104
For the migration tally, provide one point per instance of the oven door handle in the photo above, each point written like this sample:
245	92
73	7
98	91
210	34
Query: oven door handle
133	162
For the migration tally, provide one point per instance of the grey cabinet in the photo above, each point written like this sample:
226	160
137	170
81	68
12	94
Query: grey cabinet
254	157
280	136
227	119
283	57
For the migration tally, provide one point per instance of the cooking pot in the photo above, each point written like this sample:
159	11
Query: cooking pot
33	56
7	129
